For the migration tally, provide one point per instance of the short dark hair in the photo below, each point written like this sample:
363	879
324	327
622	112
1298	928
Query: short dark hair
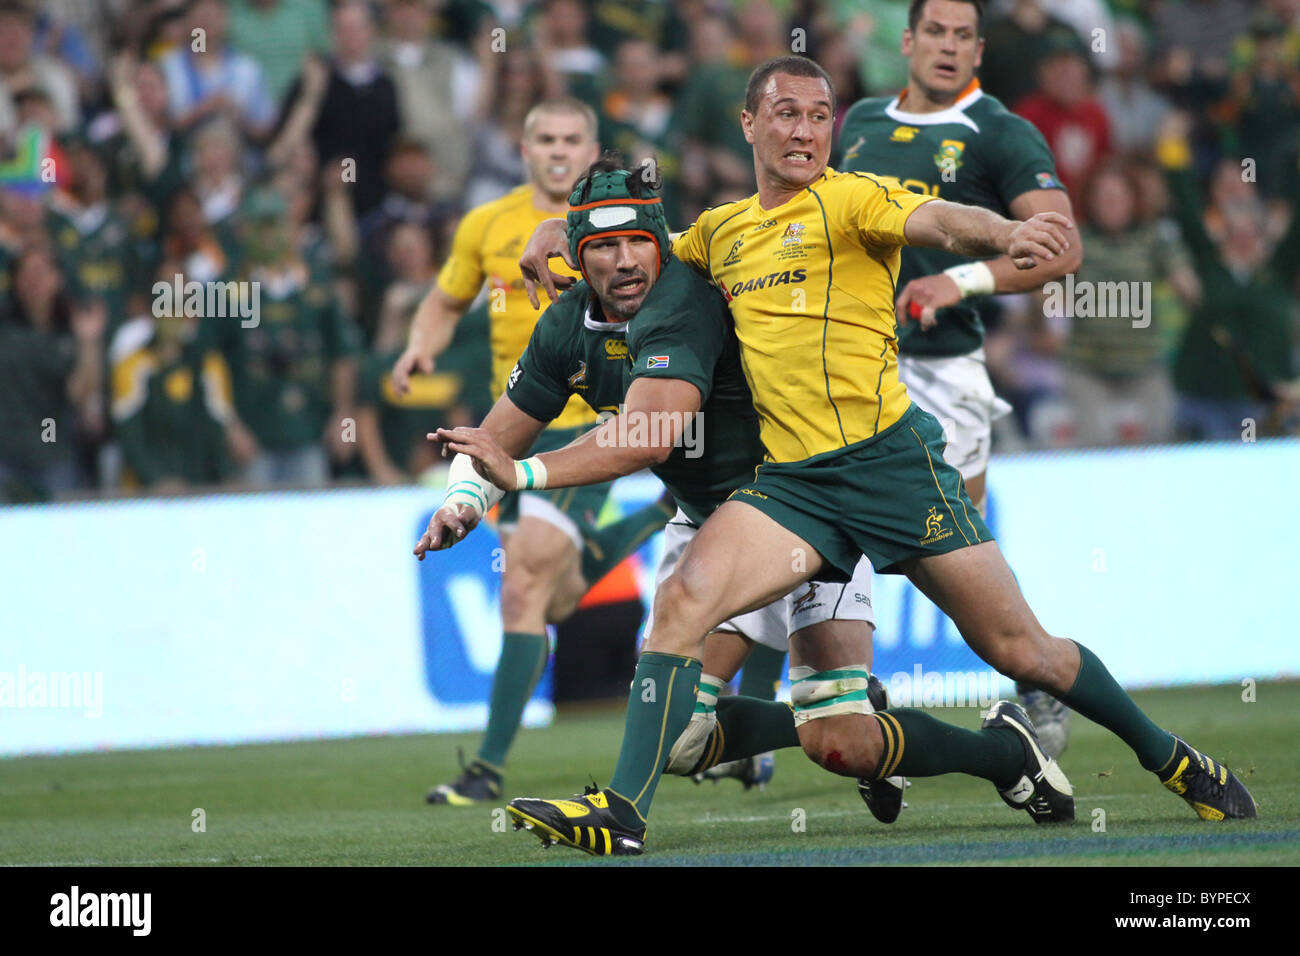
918	6
791	66
644	184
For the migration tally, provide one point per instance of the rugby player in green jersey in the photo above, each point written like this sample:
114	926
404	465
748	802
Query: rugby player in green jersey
554	551
587	345
854	468
944	136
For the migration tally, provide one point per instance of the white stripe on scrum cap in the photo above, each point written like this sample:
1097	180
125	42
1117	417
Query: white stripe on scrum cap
604	217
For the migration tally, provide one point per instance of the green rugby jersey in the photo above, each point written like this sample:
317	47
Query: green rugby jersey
991	156
683	331
97	256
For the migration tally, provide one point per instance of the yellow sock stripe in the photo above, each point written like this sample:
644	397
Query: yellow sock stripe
663	729
942	496
710	752
887	733
898	757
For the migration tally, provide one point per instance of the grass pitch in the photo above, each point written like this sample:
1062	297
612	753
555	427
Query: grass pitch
361	802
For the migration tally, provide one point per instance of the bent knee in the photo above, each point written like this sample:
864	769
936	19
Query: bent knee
678	602
1024	654
526	588
847	744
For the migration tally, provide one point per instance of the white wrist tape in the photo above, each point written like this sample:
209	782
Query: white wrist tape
466	487
973	278
530	473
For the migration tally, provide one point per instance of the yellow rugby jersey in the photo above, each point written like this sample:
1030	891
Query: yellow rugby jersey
811	290
487	246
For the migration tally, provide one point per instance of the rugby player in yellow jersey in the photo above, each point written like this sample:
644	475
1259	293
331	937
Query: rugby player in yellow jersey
944	136
854	468
553	552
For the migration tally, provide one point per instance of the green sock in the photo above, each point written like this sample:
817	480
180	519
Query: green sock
523	658
1098	697
611	544
762	673
918	745
749	726
659	707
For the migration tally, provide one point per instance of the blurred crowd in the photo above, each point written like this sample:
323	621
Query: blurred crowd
153	149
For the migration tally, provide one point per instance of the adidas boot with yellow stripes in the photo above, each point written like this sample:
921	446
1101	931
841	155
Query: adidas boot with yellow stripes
584	822
1213	791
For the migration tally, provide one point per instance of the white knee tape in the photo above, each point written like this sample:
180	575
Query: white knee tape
689	748
817	694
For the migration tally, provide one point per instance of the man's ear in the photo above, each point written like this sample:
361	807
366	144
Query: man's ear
747	125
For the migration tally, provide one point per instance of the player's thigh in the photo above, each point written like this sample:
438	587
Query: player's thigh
832	645
725	652
739	561
976	589
538	554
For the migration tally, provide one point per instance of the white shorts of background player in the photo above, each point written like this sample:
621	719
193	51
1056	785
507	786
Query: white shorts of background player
957	391
810	603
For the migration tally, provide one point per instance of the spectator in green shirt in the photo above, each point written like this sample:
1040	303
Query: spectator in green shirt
294	365
1116	376
171	407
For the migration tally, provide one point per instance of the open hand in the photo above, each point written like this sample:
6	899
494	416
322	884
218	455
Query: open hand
448	525
548	240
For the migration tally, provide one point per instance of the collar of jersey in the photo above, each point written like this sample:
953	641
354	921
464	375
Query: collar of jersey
953	114
596	326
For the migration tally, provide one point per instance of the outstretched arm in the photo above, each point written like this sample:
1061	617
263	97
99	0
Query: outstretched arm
655	413
469	496
975	232
924	296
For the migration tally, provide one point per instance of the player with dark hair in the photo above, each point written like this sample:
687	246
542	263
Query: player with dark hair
944	136
853	468
553	551
687	414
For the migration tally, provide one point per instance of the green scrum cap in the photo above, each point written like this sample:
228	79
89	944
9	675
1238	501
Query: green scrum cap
616	202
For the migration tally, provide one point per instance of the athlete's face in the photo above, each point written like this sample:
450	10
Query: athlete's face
621	270
791	130
557	149
945	49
